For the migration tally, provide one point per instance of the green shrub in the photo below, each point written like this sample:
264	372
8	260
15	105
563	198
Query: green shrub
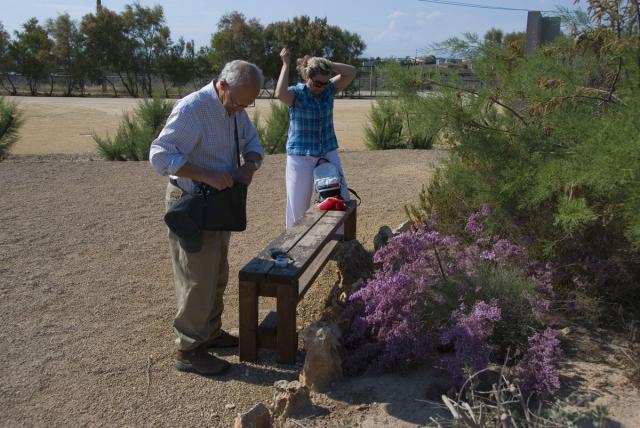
255	119
515	293
420	140
136	132
275	134
10	122
385	129
552	142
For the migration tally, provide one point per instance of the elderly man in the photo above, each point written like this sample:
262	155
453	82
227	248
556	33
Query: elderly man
198	143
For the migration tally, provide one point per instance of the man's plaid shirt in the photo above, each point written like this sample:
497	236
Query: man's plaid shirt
311	130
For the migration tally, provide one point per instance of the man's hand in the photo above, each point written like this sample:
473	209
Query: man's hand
285	56
218	180
244	174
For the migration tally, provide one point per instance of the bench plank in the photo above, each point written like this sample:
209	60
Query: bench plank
256	270
308	248
314	269
290	237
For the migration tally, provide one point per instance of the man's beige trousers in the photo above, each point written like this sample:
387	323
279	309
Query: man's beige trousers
200	281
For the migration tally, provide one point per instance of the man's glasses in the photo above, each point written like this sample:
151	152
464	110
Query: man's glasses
236	105
319	83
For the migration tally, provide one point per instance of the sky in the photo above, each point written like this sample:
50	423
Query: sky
390	28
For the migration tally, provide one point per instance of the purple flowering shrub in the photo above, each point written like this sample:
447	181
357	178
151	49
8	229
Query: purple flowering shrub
537	370
469	334
475	295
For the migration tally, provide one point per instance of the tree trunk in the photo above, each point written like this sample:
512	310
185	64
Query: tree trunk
149	86
115	91
70	85
50	85
131	87
164	85
11	91
32	87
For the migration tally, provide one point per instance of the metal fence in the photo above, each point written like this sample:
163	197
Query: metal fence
369	83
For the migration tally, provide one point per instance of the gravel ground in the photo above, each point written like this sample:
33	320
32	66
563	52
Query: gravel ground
87	297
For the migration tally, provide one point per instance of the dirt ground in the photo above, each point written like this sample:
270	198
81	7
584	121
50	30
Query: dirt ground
65	125
86	295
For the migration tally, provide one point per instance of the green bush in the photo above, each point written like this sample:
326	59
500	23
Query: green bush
255	119
274	133
420	140
396	124
385	129
136	132
515	293
10	122
552	142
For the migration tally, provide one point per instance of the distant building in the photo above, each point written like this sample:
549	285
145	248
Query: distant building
540	30
425	60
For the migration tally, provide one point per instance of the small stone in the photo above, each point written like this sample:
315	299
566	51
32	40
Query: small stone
258	417
289	398
382	237
403	227
229	406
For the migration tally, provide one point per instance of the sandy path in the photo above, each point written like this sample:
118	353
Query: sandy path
65	125
86	293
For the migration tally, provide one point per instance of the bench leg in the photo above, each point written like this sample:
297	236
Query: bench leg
248	321
350	225
286	340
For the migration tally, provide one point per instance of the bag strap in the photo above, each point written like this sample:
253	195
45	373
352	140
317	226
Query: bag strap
322	160
235	121
355	194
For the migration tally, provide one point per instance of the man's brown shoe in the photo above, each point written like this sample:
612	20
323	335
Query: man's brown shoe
200	361
224	340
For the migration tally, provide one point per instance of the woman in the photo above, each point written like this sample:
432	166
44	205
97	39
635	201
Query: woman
311	132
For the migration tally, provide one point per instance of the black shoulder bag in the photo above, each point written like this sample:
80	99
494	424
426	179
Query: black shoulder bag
208	208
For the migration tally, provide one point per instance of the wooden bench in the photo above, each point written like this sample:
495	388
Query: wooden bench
309	243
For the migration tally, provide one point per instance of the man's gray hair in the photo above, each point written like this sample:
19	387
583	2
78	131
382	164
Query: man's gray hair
240	72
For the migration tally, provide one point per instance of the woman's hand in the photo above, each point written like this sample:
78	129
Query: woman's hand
282	91
285	55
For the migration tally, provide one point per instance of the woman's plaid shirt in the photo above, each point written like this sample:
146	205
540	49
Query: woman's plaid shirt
311	130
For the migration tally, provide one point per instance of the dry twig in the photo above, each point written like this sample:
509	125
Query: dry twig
148	375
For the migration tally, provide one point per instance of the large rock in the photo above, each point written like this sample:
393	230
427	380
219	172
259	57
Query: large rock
403	227
290	398
322	364
258	417
354	263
